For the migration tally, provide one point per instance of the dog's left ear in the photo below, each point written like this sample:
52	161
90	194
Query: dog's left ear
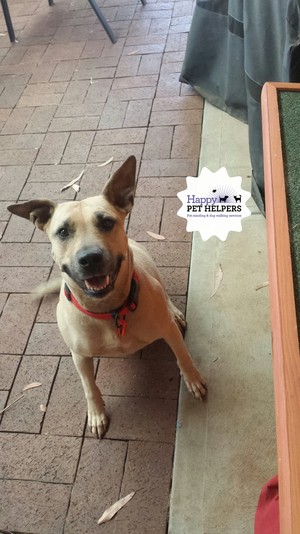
37	211
119	189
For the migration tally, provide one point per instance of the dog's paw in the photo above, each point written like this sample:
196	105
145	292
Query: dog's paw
195	383
98	422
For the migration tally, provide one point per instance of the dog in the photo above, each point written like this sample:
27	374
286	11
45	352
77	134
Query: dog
112	300
223	199
237	198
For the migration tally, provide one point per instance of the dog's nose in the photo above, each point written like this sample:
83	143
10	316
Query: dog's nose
90	258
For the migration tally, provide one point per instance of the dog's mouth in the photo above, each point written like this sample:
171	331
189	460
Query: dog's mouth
98	286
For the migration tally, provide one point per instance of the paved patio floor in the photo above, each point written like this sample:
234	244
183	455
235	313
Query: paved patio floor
70	100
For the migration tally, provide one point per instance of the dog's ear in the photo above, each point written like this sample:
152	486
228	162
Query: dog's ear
119	189
37	211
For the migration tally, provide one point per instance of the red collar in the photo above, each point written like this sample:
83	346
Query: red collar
118	315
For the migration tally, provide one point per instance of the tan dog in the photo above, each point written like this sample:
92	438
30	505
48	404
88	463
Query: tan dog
105	277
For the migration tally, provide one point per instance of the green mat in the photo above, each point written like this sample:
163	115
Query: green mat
289	107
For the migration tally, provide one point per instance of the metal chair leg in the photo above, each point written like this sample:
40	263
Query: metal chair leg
144	2
8	21
103	21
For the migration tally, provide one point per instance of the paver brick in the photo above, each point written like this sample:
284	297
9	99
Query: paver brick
97	484
145	216
51	190
69	124
76	92
165	254
113	115
150	64
138	378
12	180
8	367
128	65
160	187
173	227
141	418
17	121
43	72
33	507
47	311
66	410
120	136
119	152
169	167
25	415
175	279
39	458
135	81
159	350
56	52
80	110
3	399
138	113
54	173
189	117
158	142
186	141
78	147
46	339
148	468
22	279
52	148
3	299
32	255
16	322
98	91
135	93
40	119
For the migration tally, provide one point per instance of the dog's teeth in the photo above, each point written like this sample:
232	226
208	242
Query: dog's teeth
106	280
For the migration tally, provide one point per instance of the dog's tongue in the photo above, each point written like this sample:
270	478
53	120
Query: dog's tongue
97	282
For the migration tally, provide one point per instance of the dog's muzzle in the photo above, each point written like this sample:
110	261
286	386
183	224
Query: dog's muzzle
95	271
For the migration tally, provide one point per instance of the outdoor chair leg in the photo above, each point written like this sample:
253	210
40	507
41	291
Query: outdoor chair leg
8	21
103	21
144	2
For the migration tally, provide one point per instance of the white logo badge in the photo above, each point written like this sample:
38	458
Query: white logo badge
214	204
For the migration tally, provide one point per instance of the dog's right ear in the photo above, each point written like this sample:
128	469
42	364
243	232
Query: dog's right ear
37	211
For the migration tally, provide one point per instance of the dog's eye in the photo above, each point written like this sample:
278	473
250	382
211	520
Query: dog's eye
106	224
63	233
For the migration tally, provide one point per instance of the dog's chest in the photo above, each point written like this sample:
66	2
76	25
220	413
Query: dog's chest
97	337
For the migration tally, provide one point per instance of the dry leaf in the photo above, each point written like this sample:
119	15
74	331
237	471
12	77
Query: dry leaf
76	187
133	52
13	402
43	407
106	162
156	236
112	510
32	385
265	284
73	181
218	282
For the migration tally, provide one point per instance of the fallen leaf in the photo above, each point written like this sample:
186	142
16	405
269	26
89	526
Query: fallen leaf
218	281
13	402
112	510
32	385
43	407
76	187
106	162
265	284
73	181
155	236
133	52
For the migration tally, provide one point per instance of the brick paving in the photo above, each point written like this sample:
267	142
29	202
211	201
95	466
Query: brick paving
69	100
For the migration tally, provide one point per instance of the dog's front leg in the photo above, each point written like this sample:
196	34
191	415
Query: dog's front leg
97	419
193	379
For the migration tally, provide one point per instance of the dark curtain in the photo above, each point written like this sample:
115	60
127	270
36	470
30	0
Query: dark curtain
234	47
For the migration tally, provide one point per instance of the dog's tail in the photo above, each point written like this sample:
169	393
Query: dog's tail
47	288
